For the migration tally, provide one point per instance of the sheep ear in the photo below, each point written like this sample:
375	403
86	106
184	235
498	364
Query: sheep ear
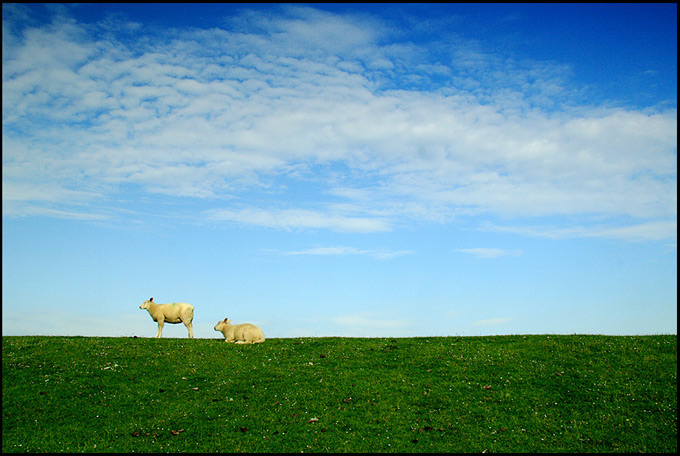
150	299
225	319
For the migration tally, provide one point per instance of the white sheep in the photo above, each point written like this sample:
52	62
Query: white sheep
245	333
176	312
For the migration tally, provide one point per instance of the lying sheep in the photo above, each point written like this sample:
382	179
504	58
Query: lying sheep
244	333
176	312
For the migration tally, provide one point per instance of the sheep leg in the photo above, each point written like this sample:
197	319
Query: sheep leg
160	329
190	327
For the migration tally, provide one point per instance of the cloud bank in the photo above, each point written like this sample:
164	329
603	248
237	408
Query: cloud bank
304	119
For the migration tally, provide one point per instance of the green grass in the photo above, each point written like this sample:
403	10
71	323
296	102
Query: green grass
435	394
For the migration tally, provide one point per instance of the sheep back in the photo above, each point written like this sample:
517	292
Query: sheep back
242	333
175	312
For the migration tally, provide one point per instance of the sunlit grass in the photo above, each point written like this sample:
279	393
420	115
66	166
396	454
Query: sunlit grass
440	394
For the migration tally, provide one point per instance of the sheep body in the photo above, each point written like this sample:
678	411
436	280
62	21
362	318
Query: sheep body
176	312
244	333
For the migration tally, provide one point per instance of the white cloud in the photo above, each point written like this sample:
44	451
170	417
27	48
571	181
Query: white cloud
657	230
299	219
489	252
29	210
363	323
215	113
60	322
341	250
492	321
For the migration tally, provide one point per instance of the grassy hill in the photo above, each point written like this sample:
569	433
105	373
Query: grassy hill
539	393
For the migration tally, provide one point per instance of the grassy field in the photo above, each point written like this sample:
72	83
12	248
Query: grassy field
538	393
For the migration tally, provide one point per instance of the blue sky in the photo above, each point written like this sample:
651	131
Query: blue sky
340	170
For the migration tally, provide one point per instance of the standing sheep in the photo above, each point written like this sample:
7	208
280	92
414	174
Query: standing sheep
176	312
244	333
